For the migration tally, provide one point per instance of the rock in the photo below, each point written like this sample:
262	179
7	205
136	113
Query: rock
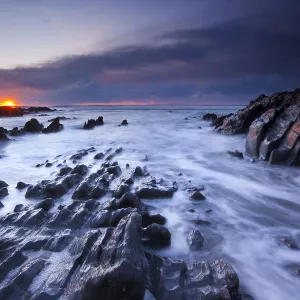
288	150
200	222
21	185
3	184
33	126
236	153
80	169
62	118
153	189
7	111
3	136
275	133
48	165
64	171
209	117
124	123
257	130
121	190
288	242
138	171
91	123
208	211
113	268
196	195
115	170
127	200
195	240
191	210
45	204
176	279
79	155
156	235
148	219
1	204
16	131
3	192
18	207
55	126
99	155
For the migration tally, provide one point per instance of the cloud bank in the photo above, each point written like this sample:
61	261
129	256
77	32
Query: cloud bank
228	63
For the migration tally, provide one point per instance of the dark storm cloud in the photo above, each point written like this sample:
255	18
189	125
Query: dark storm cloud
253	54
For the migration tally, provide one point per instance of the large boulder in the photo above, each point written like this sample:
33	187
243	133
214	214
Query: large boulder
55	126
114	268
257	131
156	235
195	240
33	125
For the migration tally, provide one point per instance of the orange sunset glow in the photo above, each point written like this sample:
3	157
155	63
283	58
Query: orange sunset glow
8	102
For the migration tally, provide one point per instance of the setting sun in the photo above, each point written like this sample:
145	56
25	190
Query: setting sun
8	102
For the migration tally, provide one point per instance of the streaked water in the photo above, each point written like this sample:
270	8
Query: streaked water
253	205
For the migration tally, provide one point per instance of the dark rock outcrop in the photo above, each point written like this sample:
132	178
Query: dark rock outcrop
3	192
156	235
272	123
235	153
3	136
21	185
91	123
7	111
55	126
33	126
124	123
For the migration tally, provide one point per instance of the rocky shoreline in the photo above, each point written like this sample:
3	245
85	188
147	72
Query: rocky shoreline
272	124
16	111
85	248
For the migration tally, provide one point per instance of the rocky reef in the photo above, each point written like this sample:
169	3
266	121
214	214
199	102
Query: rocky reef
272	124
7	111
82	247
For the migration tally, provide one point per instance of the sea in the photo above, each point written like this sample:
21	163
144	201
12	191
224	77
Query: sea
250	206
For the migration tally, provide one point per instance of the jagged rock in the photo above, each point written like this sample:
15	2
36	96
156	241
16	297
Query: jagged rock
156	235
99	155
257	131
21	185
113	268
3	136
16	131
1	204
3	192
195	240
18	207
55	126
288	150
196	195
235	153
92	187
176	279
46	188
153	189
112	155
91	123
3	184
33	125
276	132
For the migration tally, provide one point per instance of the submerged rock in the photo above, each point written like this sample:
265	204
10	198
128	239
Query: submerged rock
99	155
124	123
196	195
3	184
236	153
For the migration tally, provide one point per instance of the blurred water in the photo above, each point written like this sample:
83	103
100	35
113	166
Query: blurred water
253	205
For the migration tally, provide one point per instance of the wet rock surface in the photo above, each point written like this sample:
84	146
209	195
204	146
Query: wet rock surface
91	123
84	248
273	127
3	134
33	126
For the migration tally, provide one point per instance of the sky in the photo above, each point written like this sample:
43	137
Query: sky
131	52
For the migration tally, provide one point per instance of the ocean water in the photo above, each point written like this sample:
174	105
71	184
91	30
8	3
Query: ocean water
252	205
